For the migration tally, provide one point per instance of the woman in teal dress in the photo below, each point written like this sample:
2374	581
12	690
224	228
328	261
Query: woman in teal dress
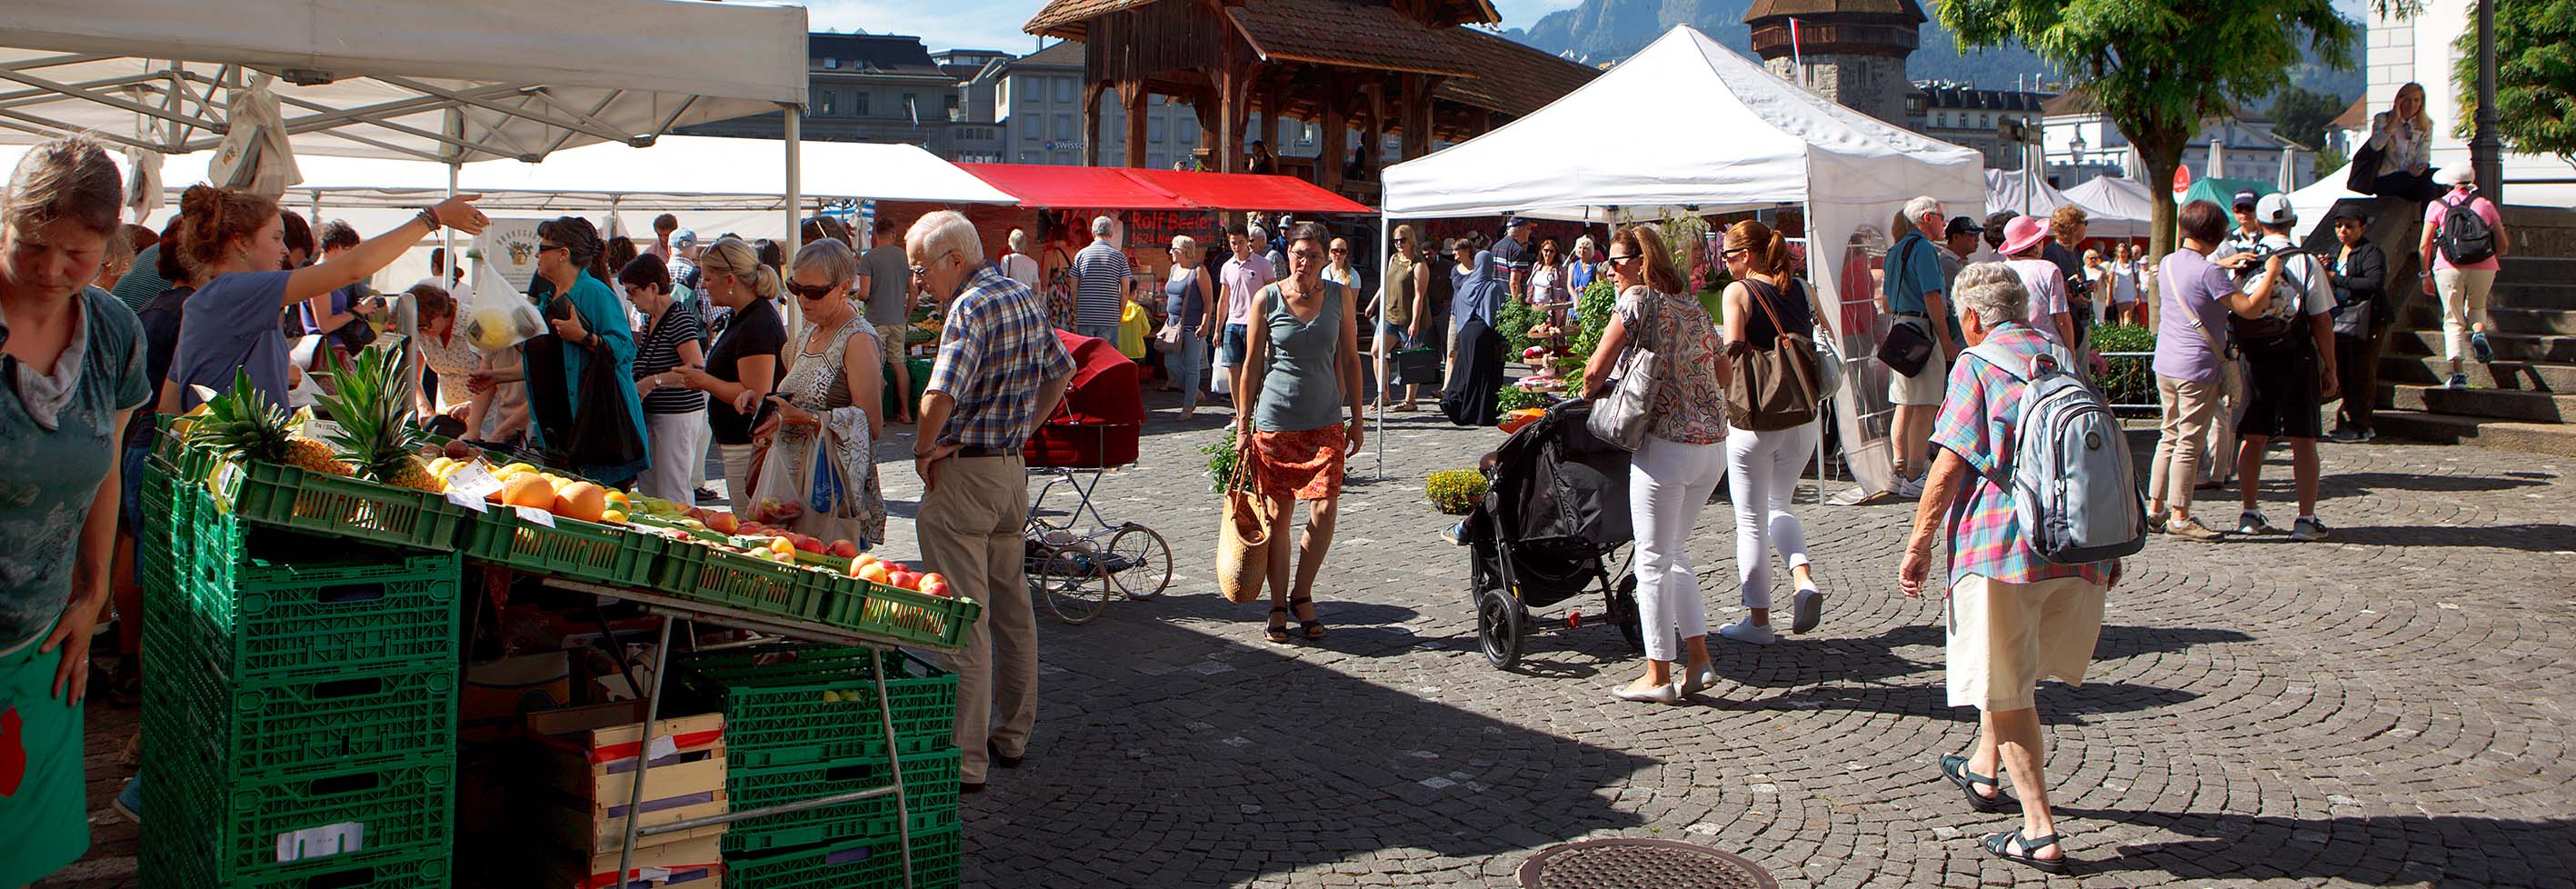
569	251
73	376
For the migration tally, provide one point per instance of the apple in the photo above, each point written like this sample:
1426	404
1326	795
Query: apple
720	522
808	544
874	572
459	451
897	566
905	579
934	584
843	548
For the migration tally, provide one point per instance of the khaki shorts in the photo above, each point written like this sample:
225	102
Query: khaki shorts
1923	389
2005	636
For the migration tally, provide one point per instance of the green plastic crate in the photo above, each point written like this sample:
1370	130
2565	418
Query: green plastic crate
777	715
743	582
873	863
335	506
285	831
930	797
905	616
172	861
572	549
281	726
257	617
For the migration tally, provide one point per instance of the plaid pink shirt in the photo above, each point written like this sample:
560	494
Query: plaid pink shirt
1980	421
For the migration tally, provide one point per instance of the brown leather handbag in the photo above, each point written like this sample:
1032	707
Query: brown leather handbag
1777	387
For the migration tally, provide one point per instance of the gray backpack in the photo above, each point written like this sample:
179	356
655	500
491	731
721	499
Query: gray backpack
2074	492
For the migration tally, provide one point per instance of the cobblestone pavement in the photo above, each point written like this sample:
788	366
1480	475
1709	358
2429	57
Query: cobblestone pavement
2386	709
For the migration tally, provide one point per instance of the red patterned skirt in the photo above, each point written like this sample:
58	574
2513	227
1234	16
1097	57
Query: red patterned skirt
1306	462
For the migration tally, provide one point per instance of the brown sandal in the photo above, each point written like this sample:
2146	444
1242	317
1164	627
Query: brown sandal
1278	629
1314	629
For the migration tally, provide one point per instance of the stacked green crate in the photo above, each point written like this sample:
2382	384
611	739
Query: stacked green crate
802	722
300	716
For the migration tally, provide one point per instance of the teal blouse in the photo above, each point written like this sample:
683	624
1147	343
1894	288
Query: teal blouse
604	314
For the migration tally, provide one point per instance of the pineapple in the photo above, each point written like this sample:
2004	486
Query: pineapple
371	400
242	425
313	456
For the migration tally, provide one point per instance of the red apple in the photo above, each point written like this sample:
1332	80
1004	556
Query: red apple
808	544
897	566
934	584
843	549
904	579
720	522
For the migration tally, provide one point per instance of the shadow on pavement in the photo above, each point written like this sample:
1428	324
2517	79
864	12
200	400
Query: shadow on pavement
1170	757
2366	482
2533	538
2384	850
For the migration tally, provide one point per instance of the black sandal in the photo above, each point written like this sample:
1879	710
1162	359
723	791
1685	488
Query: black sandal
1278	631
1955	768
2001	846
1314	629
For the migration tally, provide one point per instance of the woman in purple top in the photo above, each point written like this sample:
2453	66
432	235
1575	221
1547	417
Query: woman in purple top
2191	333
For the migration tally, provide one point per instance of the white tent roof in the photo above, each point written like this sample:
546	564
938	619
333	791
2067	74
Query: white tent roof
1684	123
452	79
2023	193
2115	198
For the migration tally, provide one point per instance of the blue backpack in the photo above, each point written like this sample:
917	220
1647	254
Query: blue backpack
2074	491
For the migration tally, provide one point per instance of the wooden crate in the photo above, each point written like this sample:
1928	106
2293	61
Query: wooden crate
591	755
698	863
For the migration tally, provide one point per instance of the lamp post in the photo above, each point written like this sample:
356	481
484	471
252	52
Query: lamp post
2485	154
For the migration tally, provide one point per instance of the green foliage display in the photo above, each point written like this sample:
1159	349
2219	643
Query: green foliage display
2535	51
1515	398
1221	457
1592	314
1515	321
1455	491
2131	380
2329	160
2157	68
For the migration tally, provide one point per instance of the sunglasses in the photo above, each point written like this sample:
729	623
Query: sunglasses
1727	253
1622	257
549	248
810	292
1339	250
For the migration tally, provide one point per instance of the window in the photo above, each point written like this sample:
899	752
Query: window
1153	129
824	105
859	103
830	64
1063	125
911	105
1032	90
1063	89
1029	130
1189	135
1028	157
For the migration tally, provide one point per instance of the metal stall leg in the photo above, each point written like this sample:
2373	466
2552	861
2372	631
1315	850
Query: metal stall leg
894	764
644	754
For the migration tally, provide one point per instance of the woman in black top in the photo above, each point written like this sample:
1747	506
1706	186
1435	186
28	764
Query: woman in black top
675	416
742	366
1762	468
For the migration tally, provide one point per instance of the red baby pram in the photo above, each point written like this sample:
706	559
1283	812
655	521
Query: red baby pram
1078	567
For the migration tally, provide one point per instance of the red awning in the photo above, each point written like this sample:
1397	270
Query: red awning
1244	191
1119	188
1088	188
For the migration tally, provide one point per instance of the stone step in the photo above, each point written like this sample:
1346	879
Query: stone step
2537	438
2512	375
2508	346
2426	314
2557	293
2534	407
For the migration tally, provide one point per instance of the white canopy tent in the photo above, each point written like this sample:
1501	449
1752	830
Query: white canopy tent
2125	202
1714	132
2022	193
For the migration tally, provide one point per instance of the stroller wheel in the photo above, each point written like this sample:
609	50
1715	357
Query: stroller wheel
1623	612
1145	560
1500	627
1067	581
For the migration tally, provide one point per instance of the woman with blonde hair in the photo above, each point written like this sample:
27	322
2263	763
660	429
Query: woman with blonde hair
1762	467
1187	295
742	365
830	399
1403	304
2403	136
1678	465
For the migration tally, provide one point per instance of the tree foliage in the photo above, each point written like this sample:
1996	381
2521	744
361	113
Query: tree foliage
2157	68
2535	47
2329	159
2302	115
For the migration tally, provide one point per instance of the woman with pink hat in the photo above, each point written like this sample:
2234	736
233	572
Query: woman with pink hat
2024	238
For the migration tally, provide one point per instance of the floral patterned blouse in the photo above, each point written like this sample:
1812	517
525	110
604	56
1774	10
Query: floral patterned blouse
1688	407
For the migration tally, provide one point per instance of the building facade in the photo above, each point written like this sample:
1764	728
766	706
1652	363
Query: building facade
2419	49
1850	51
2082	144
1969	117
1038	103
865	88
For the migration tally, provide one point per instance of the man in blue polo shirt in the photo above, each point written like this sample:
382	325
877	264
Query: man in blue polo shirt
1512	260
1913	286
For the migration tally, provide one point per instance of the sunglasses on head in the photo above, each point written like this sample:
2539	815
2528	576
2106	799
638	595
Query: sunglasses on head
810	292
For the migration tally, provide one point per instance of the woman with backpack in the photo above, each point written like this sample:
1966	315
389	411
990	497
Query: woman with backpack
2464	239
1768	311
1677	465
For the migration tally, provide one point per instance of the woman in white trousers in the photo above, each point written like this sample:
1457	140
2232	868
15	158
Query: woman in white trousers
1678	464
1762	468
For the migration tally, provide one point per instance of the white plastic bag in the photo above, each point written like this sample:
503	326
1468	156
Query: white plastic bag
1221	380
499	316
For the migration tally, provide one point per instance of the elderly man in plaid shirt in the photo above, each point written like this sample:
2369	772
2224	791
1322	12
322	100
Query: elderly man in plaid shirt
1001	371
2014	617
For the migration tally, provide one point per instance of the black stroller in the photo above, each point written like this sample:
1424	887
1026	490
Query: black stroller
1556	511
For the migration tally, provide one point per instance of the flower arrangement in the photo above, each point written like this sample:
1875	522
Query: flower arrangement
1455	491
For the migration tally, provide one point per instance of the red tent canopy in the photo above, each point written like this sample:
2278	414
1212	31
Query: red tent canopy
1244	191
1119	188
1090	188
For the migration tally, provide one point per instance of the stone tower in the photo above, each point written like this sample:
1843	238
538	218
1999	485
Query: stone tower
1853	50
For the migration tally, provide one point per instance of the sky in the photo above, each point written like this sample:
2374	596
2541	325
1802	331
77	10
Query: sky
995	24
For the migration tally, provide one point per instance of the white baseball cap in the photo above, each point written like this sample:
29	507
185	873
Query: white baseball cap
2274	209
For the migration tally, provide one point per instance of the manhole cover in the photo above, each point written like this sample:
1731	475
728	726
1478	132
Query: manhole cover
1640	864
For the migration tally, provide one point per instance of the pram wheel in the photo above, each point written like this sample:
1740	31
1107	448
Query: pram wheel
1623	612
1143	560
1071	582
1500	626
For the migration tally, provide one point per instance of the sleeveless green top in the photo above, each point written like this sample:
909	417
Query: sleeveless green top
1302	388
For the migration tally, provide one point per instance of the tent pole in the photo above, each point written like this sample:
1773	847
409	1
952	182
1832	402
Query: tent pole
795	175
1384	385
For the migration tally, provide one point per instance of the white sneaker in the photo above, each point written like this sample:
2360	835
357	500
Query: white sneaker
2251	521
2307	528
1909	488
1745	631
1806	609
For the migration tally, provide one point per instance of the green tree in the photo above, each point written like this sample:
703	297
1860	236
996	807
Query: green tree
2535	47
2301	115
2157	68
2330	159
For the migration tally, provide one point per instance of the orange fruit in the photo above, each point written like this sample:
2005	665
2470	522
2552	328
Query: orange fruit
581	500
528	489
